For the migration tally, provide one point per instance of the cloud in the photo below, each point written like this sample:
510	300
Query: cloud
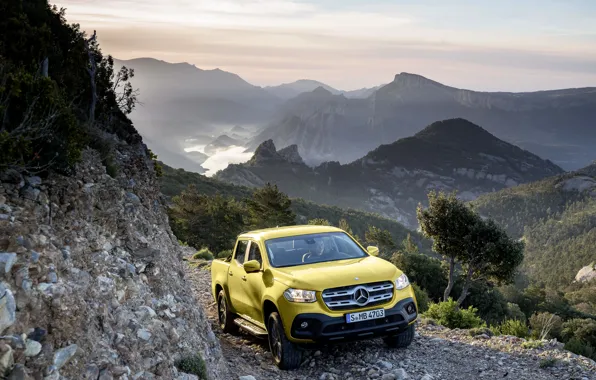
350	44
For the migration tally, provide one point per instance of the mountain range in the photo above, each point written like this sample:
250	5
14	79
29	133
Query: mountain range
558	124
393	179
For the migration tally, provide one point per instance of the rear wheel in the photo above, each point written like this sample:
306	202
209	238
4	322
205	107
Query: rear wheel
401	340
224	315
285	353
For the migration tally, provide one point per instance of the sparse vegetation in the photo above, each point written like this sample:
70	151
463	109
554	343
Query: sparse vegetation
193	365
547	363
203	254
513	327
449	314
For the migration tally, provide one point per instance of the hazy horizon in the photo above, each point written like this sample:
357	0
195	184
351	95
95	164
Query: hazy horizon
350	44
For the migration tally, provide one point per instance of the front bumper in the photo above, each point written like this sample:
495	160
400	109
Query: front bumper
324	328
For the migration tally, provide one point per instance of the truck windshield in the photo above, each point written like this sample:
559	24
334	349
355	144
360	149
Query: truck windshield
312	248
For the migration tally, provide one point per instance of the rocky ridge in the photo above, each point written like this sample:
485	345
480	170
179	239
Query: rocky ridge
393	179
437	353
93	286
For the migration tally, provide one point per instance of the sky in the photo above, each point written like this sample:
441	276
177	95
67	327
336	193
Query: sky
505	45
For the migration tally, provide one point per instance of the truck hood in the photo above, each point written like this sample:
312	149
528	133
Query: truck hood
333	274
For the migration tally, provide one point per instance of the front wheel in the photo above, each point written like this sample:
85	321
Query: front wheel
224	315
401	340
285	353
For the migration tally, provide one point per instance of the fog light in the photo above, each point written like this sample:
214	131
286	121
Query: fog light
410	309
304	325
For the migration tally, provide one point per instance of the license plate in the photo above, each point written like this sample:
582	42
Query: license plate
365	315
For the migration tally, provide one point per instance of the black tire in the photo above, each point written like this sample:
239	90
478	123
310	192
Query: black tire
401	340
285	353
224	315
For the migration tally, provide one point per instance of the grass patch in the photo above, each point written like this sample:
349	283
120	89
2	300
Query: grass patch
194	365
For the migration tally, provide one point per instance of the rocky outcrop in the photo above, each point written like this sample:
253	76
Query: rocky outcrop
93	284
586	274
290	154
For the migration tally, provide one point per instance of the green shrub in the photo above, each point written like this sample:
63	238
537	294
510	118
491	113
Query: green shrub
514	312
546	363
529	344
579	347
224	254
480	330
449	315
582	329
203	254
515	328
546	326
421	298
495	330
194	365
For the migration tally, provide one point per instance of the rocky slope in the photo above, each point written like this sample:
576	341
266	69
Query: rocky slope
437	353
554	124
392	179
92	280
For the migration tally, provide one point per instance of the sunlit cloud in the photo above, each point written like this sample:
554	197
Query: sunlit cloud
353	44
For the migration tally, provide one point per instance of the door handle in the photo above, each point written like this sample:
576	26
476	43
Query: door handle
244	278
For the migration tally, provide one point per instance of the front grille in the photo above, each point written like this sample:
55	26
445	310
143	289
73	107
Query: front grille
358	296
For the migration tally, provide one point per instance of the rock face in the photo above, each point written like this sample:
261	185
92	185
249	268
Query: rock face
92	279
586	274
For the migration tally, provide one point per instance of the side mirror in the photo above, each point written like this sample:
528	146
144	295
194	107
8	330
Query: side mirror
252	266
373	251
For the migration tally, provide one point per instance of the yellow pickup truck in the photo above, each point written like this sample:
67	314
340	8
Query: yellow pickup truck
311	284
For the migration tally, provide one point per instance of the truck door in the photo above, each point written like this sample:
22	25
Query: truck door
237	278
254	285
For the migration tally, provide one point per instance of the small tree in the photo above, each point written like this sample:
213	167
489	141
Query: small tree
381	238
490	254
343	224
269	207
482	248
446	221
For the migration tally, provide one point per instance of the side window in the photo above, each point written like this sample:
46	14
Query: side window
254	253
240	253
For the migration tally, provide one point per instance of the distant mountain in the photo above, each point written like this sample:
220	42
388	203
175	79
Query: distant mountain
392	179
556	217
360	93
222	142
291	90
557	124
180	101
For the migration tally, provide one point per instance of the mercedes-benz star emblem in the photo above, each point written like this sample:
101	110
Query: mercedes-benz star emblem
361	296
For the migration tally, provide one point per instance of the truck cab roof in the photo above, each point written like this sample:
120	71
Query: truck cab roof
278	232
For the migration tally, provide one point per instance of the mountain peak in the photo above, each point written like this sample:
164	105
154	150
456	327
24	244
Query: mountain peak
322	91
455	131
412	80
291	154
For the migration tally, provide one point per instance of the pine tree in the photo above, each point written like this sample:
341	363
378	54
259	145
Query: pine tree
269	207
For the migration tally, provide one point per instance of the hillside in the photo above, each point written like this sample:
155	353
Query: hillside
174	181
553	124
392	179
557	219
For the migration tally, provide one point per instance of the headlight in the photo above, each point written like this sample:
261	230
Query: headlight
299	295
402	282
